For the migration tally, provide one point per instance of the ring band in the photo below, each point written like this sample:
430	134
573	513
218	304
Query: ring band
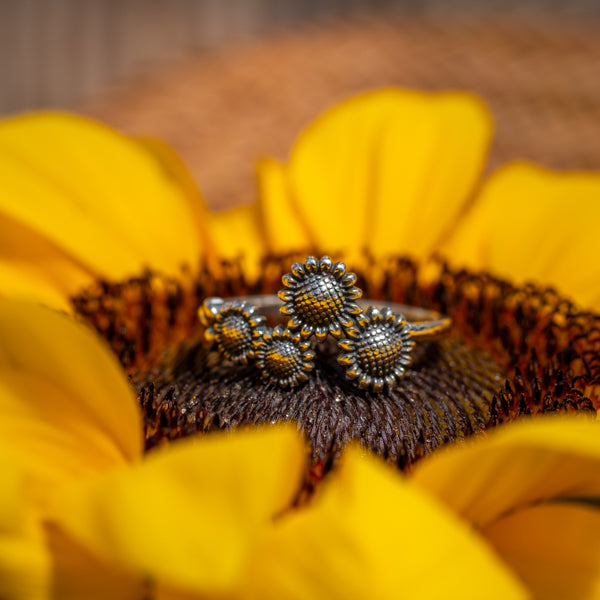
374	338
422	323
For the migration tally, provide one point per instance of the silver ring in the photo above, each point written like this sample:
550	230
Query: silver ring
374	339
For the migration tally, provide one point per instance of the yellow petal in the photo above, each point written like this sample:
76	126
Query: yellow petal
78	574
189	515
532	223
66	408
25	281
34	268
94	194
284	229
372	535
162	592
178	172
24	560
554	548
390	170
515	466
238	236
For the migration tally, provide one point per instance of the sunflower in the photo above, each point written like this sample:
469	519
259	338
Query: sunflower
284	356
233	329
98	503
377	328
318	297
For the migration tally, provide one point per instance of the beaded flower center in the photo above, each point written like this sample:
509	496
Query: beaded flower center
236	335
379	350
319	300
283	359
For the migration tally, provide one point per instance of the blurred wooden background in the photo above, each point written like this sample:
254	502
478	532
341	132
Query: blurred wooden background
225	82
56	53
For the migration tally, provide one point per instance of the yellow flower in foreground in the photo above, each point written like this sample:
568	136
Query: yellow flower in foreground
211	517
392	171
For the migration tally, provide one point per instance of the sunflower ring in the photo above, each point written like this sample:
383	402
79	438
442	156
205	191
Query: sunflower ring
374	339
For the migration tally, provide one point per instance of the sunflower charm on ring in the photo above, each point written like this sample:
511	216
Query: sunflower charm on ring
378	350
319	297
283	356
232	328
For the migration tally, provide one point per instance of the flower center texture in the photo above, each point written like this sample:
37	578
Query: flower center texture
236	335
319	300
513	352
379	350
283	359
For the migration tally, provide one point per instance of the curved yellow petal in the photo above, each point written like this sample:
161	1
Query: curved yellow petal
372	535
33	268
237	234
25	281
515	466
284	229
77	573
66	408
24	560
554	548
189	515
532	223
175	168
389	170
96	195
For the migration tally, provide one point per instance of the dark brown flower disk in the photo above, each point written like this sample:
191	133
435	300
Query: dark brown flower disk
513	351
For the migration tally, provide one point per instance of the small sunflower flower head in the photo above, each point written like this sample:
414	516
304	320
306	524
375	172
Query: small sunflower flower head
378	349
319	297
231	328
283	356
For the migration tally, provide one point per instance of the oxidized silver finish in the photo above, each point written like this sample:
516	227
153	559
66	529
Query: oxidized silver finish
319	296
231	326
378	349
283	357
377	340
